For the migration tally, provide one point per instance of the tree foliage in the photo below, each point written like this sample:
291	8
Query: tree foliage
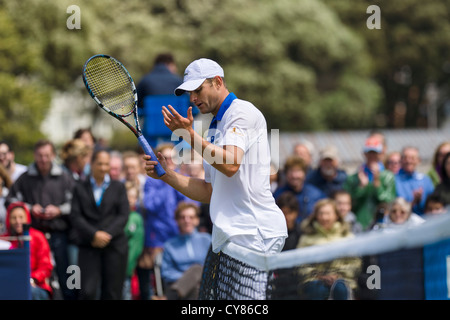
307	64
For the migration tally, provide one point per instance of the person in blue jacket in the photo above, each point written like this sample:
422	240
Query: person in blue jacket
183	255
307	194
410	184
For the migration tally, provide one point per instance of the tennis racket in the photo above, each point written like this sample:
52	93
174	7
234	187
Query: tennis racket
113	89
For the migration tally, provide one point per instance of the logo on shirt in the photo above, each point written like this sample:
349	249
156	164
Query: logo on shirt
237	132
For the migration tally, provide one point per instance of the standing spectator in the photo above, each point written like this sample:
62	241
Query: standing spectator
5	185
160	202
443	188
100	211
328	176
371	184
162	79
134	231
40	257
7	159
344	206
393	162
329	280
305	150
88	138
288	203
116	166
132	172
47	189
380	136
184	254
435	172
307	194
410	184
75	155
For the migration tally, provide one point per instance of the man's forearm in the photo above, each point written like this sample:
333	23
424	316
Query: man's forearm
226	160
194	188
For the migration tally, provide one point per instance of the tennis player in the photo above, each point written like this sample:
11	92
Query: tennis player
236	159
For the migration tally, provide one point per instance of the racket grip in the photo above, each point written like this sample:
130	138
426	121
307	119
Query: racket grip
149	151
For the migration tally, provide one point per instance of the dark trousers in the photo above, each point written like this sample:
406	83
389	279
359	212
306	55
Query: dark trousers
102	269
59	242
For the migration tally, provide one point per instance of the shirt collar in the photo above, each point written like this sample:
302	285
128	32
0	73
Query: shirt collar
105	184
223	108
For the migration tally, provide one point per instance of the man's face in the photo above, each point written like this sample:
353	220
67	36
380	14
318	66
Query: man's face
43	157
187	221
4	155
328	168
296	178
206	97
410	160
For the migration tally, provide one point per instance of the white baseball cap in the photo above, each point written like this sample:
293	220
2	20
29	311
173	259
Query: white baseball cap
197	72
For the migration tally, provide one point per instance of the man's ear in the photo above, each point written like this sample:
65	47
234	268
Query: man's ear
217	82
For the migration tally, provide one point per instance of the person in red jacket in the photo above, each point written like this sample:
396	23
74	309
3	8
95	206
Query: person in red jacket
17	214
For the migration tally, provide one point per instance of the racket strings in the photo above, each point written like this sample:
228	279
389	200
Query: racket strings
111	85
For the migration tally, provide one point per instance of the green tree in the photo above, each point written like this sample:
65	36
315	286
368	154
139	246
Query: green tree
24	100
410	51
294	59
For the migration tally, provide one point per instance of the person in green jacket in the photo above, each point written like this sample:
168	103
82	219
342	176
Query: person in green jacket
134	231
371	185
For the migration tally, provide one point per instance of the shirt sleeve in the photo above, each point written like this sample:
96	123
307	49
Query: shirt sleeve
206	168
236	131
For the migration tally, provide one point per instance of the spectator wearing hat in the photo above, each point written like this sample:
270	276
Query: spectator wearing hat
328	176
371	184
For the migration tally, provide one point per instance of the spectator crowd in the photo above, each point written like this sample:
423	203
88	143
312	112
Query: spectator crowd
134	237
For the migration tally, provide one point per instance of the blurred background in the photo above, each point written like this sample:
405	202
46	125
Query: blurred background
313	67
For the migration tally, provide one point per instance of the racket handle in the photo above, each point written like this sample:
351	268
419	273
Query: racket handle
148	151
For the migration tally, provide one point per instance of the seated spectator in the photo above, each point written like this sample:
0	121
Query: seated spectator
344	206
328	176
434	205
17	215
334	279
400	214
288	203
184	254
307	194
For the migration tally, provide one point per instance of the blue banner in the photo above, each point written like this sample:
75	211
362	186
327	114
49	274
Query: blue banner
437	270
15	274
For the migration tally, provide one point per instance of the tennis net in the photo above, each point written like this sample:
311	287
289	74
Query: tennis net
388	264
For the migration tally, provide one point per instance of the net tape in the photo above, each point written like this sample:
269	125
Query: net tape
369	243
